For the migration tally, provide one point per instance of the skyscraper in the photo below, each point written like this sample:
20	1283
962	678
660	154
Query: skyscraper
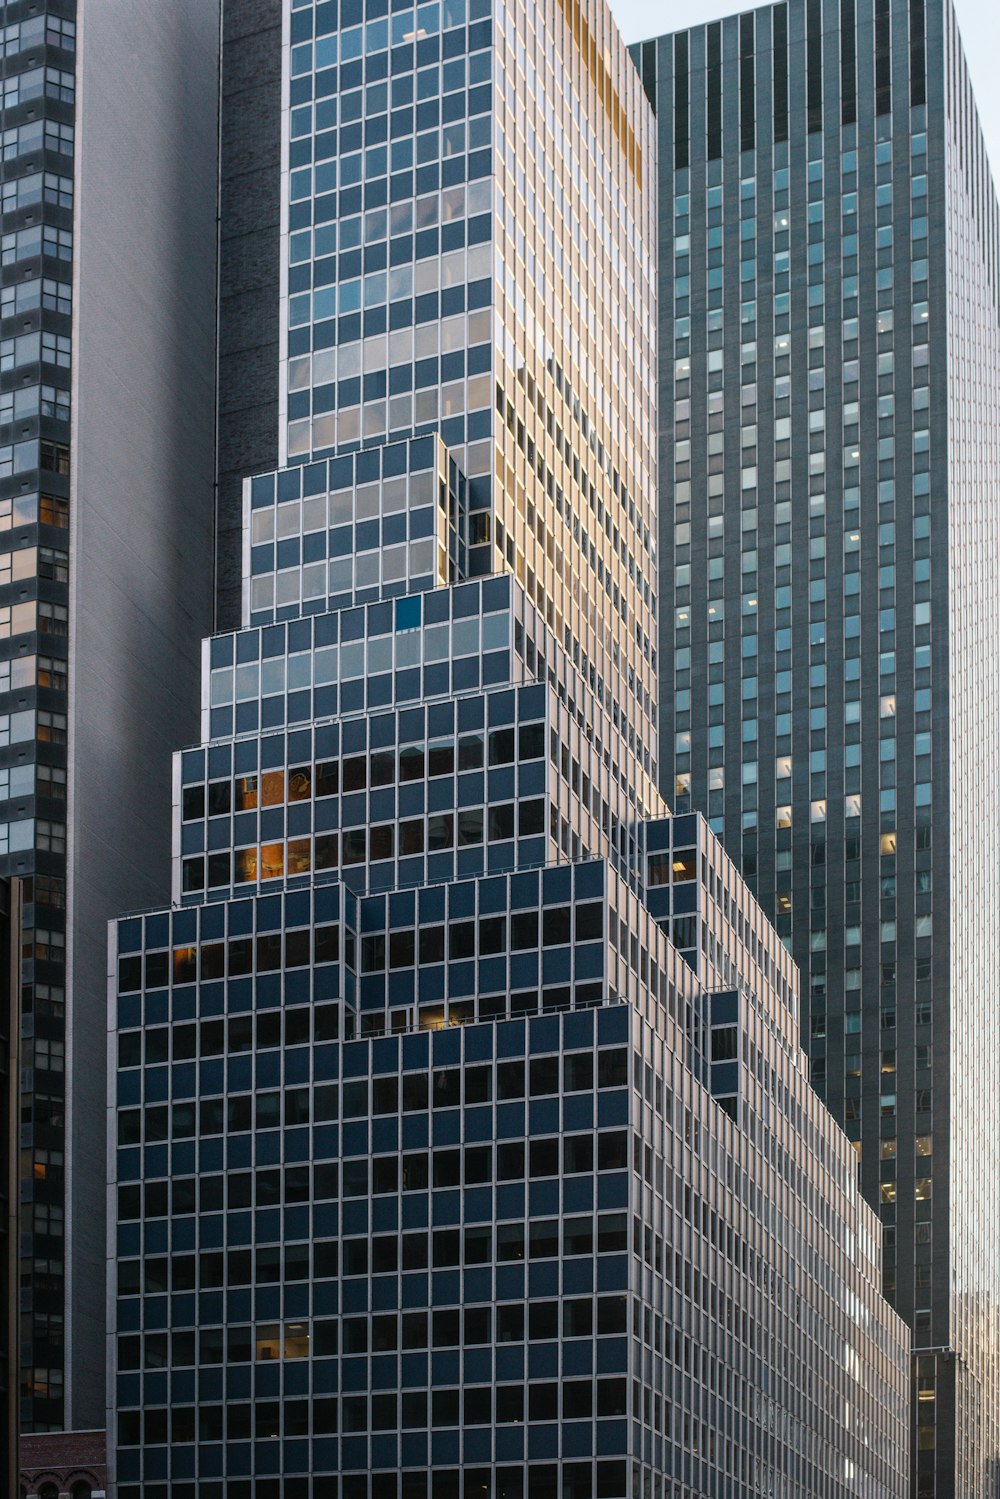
250	216
107	332
9	1112
461	1140
37	115
829	368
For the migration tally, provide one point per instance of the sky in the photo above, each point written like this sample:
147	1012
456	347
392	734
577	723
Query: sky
978	19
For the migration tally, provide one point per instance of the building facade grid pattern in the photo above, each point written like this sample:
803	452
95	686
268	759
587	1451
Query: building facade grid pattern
828	598
437	1167
37	115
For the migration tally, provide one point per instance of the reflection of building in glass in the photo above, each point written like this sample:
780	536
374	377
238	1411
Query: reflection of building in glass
830	388
463	1139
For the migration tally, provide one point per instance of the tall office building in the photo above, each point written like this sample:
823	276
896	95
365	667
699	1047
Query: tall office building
461	1139
830	392
37	120
9	1112
108	123
250	199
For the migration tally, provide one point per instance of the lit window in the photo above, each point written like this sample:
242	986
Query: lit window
268	1343
299	856
296	1340
272	784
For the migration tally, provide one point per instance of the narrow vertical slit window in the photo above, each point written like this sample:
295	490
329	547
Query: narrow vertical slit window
780	84
713	101
918	54
682	86
747	102
848	63
649	71
883	58
814	66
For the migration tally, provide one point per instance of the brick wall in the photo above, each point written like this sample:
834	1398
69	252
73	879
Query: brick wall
63	1458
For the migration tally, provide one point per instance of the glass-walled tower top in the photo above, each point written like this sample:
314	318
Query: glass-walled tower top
470	251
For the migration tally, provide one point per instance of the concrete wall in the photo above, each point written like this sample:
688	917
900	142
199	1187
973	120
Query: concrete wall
142	506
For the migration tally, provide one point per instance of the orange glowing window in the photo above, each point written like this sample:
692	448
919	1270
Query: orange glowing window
300	784
299	856
185	965
272	787
296	1340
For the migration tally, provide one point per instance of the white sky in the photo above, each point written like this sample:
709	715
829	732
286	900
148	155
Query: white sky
979	20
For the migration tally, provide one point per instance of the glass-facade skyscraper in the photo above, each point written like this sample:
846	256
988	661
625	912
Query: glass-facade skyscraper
461	1142
105	480
9	1011
37	120
829	368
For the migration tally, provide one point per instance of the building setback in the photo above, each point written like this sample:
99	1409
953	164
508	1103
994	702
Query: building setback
828	632
107	336
461	1141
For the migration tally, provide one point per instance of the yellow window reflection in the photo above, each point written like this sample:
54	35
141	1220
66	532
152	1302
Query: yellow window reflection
296	1340
299	856
272	787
